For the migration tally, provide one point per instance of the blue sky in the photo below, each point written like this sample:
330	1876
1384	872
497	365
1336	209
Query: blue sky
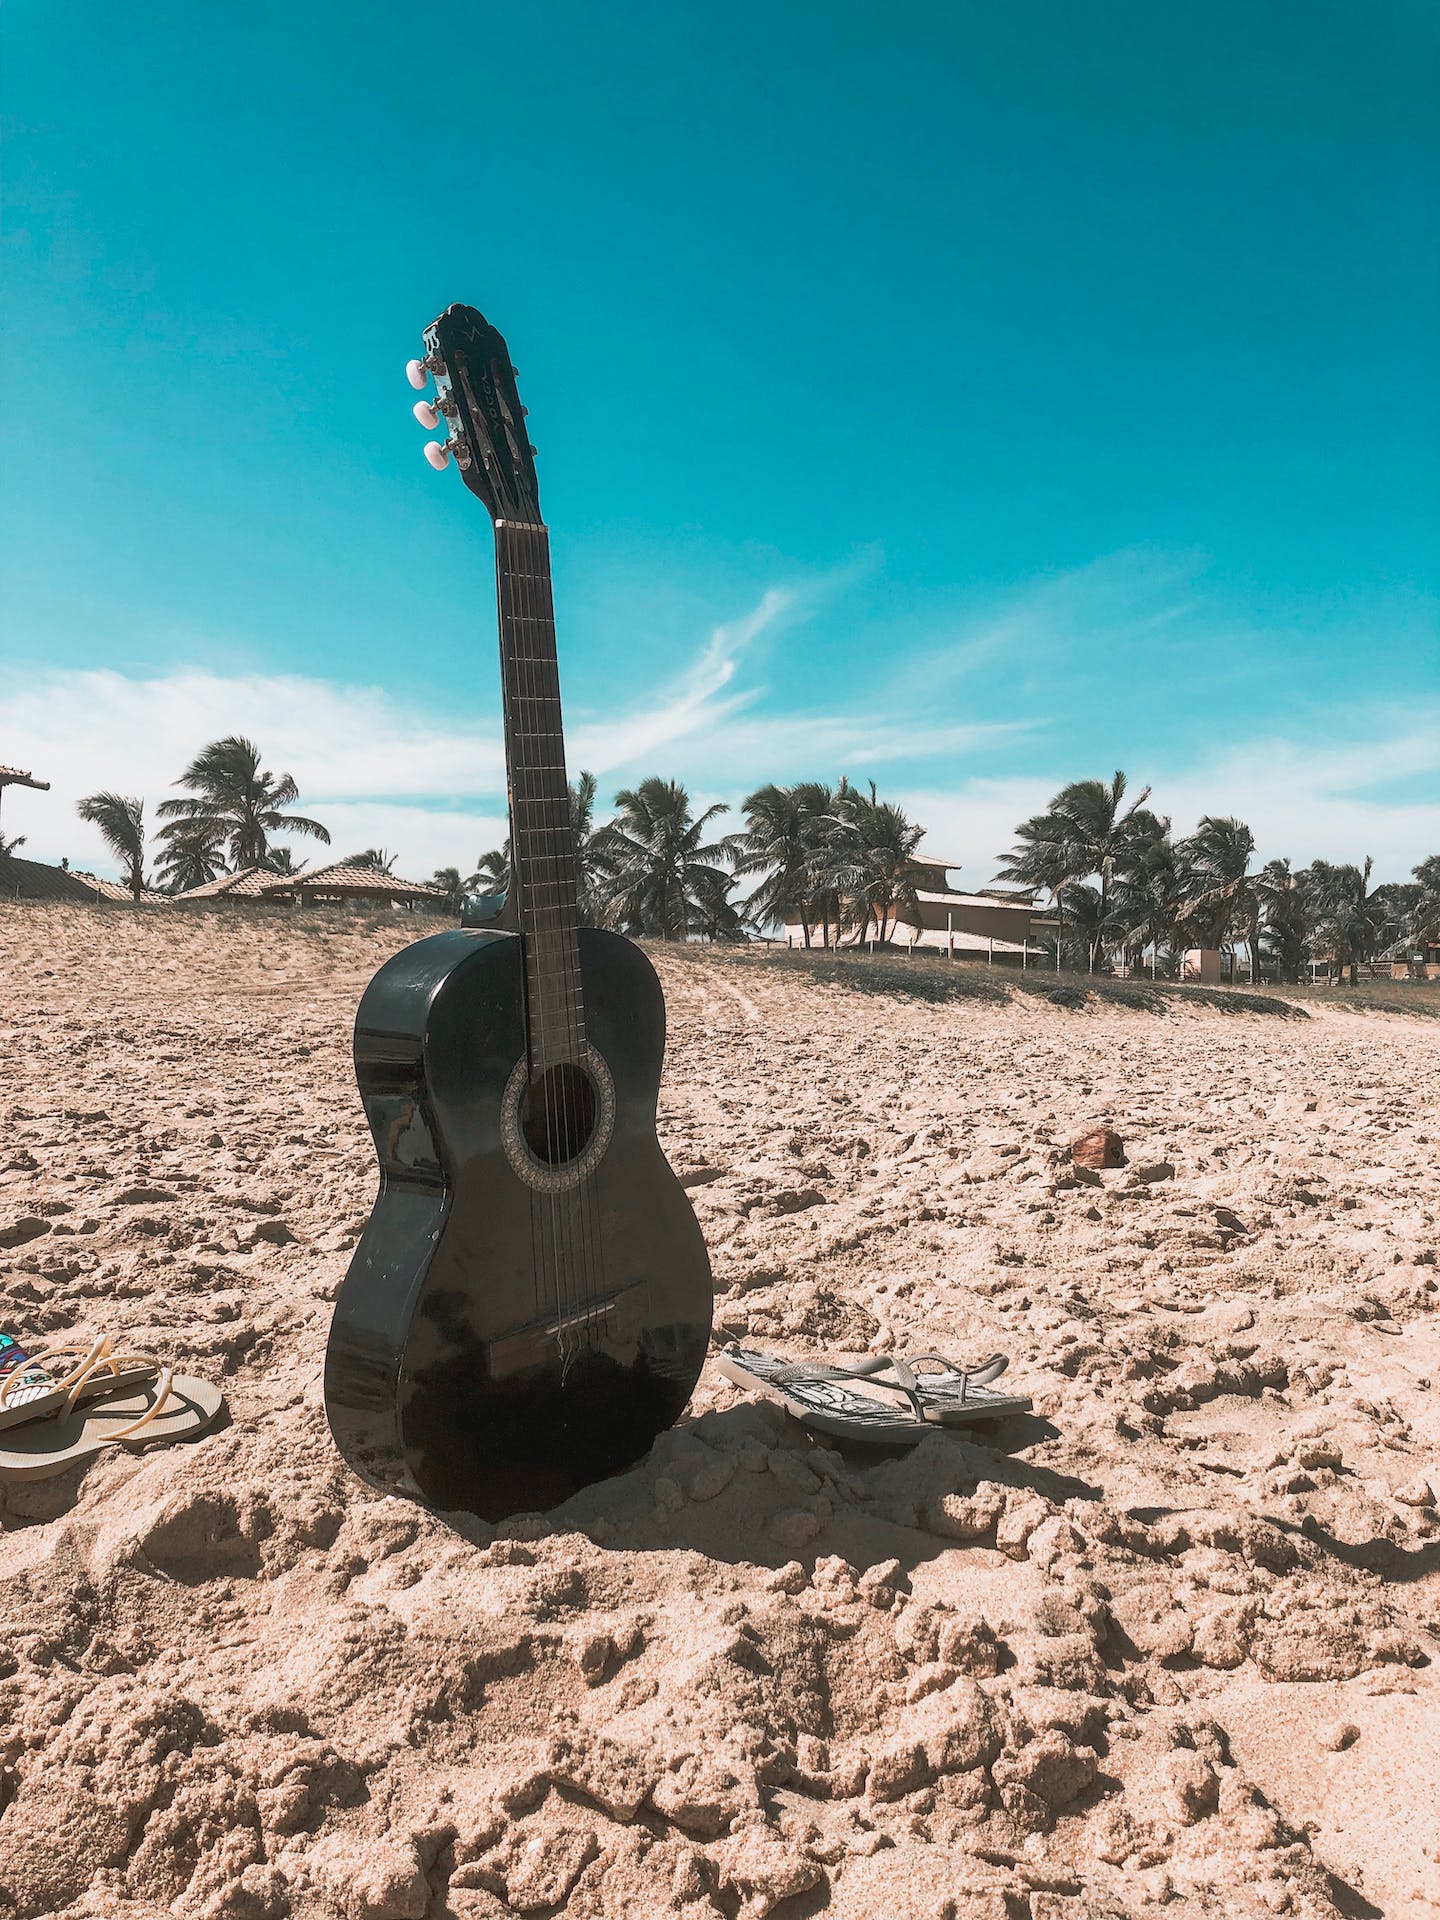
972	398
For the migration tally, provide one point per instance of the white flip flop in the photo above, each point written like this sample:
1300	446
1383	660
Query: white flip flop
819	1397
173	1407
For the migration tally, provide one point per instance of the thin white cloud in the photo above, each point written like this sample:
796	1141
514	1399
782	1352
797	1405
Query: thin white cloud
1132	595
1318	797
429	785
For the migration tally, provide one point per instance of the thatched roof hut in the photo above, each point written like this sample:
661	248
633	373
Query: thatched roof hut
33	880
249	884
352	885
13	777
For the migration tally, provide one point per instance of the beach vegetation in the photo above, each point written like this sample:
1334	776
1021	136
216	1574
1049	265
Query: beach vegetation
120	819
230	790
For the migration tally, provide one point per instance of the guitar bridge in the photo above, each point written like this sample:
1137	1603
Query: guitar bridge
538	1341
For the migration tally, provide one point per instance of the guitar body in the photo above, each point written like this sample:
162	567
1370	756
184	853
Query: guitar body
511	1330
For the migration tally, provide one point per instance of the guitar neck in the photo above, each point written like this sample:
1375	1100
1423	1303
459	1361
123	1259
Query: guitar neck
542	836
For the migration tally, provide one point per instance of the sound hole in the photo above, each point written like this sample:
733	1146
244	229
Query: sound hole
558	1113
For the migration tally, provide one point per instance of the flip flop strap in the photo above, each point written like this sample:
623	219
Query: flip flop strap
163	1390
91	1357
867	1370
965	1377
908	1379
88	1361
94	1359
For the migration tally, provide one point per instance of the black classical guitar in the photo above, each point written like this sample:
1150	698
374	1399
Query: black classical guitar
530	1302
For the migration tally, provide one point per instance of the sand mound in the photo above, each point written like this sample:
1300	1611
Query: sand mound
1166	1644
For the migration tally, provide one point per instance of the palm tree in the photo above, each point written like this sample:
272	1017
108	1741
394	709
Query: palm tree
121	821
1425	915
1349	916
831	860
1090	923
874	862
1091	821
1043	861
1084	831
231	791
1285	918
8	847
492	872
1397	901
716	915
1218	901
376	859
281	860
666	880
192	854
594	866
781	841
451	885
1143	905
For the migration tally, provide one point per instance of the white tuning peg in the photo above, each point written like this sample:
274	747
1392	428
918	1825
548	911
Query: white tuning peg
416	374
426	415
437	454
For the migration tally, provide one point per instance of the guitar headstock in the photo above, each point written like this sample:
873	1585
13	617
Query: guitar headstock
475	396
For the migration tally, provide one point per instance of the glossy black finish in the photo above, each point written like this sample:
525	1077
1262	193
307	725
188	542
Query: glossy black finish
446	1378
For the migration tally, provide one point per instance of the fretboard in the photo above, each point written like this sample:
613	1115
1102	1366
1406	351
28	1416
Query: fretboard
542	839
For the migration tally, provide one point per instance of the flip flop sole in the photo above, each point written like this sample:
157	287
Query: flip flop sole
39	1451
825	1406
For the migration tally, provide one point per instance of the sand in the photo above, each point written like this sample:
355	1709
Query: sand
1168	1643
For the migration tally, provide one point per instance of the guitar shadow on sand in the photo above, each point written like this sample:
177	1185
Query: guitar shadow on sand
748	1485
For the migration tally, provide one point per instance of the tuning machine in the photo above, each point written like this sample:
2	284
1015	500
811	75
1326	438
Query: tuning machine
438	453
429	412
418	372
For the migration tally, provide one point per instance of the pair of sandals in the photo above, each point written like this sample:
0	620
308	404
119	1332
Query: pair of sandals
67	1403
932	1391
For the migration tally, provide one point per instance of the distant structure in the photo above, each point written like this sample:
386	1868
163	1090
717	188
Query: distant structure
1206	964
34	880
13	777
992	924
346	884
1412	959
249	884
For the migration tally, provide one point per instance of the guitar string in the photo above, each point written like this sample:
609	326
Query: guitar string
582	1222
551	957
537	955
565	944
510	673
522	682
584	1195
575	1224
585	1223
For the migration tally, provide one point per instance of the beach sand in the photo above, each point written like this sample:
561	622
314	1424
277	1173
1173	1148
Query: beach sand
1168	1643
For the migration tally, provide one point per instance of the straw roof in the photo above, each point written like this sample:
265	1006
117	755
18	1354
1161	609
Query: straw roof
344	880
33	880
112	889
13	777
249	884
